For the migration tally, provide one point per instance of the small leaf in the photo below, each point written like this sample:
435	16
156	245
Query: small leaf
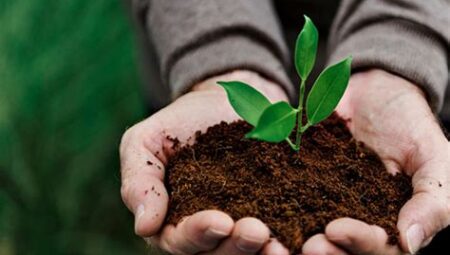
245	100
327	91
306	49
276	123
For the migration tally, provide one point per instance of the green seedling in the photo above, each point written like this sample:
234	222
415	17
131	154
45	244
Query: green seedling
275	122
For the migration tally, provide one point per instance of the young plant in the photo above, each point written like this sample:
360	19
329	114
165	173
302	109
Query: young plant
275	122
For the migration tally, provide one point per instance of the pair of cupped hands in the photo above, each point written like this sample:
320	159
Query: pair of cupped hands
389	114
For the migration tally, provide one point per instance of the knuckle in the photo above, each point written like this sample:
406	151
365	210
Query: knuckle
127	137
440	211
442	206
192	235
195	244
445	213
165	246
173	247
180	252
447	210
126	192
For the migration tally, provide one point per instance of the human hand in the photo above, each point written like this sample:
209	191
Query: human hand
391	115
145	150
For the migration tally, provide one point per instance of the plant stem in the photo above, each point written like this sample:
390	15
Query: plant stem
293	146
308	124
300	130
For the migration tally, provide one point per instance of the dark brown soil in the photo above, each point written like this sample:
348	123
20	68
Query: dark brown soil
295	194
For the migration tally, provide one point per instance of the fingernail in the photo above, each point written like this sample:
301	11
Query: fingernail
215	234
428	241
139	212
148	241
248	245
414	238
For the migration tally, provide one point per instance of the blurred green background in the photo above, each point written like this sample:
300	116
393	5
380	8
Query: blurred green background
68	89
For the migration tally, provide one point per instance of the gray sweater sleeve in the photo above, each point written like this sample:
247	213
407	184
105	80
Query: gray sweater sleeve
195	39
406	37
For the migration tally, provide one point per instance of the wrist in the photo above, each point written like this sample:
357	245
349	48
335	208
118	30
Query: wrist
268	88
375	90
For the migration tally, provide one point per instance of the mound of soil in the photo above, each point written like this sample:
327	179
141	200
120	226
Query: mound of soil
295	194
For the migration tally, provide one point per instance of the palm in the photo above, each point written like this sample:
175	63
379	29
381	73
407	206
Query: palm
145	150
384	124
391	116
193	112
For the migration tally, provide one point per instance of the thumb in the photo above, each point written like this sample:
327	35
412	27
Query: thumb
142	189
147	198
428	211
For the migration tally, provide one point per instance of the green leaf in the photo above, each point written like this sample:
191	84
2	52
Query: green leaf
327	91
276	123
245	100
306	49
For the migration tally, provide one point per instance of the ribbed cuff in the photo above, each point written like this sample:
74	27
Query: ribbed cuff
402	48
226	54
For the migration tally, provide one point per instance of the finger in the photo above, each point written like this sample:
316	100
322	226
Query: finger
428	211
248	237
274	247
360	238
197	233
142	189
320	245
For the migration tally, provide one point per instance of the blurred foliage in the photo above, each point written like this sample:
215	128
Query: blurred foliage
68	90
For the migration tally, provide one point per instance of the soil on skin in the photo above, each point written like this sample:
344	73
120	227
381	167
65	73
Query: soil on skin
295	194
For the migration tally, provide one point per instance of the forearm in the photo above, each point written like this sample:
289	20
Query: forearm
406	37
198	39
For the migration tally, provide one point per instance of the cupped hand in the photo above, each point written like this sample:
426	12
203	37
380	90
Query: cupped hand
392	116
145	150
